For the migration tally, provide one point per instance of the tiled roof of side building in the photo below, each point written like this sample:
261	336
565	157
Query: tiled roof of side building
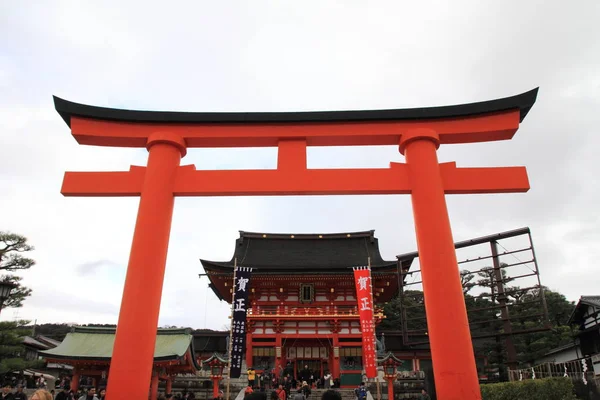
49	341
92	343
33	342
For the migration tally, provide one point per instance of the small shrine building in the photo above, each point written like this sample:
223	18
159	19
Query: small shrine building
303	308
89	351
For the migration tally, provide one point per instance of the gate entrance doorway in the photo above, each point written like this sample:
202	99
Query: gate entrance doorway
316	367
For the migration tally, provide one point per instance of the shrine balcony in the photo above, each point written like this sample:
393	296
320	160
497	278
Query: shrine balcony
302	312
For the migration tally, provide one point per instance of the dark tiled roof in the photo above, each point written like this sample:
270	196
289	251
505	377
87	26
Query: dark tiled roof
210	342
591	300
48	341
304	252
562	348
220	357
29	341
582	305
389	355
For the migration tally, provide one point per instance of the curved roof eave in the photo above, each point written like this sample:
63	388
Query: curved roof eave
227	267
300	236
523	102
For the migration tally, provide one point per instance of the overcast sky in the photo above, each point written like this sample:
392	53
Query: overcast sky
288	56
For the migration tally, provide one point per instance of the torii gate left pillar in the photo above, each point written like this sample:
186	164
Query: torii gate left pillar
418	132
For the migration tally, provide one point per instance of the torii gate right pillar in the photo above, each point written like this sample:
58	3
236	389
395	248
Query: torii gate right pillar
443	295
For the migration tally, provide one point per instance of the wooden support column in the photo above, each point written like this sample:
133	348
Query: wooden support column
448	327
215	382
75	380
279	361
131	364
154	387
169	387
390	385
249	352
335	367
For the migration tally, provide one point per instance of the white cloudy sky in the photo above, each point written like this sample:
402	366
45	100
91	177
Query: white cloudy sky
288	56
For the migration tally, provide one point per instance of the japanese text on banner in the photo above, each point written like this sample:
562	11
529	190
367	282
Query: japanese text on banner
241	286
364	296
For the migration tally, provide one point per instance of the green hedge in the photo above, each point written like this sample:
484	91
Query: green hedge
536	389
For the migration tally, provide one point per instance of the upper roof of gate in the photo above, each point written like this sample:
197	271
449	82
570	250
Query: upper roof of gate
287	252
523	102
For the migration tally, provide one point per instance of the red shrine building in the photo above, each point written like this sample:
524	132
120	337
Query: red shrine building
303	308
89	351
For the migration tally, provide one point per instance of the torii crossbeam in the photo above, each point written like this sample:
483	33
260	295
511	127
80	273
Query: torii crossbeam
417	132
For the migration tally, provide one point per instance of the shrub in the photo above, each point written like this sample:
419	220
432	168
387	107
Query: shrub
534	389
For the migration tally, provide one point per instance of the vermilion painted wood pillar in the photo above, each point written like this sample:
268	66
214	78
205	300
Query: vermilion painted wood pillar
169	387
335	368
215	382
154	387
448	326
249	346
133	354
279	361
390	387
75	380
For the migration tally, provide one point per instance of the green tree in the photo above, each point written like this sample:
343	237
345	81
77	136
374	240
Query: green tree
12	351
466	280
414	307
559	308
12	247
18	294
524	312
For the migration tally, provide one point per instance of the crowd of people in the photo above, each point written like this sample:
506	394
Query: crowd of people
286	386
64	393
19	394
30	381
284	391
330	394
286	378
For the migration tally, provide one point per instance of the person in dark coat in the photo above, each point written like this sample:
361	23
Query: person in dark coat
305	374
20	395
63	394
6	392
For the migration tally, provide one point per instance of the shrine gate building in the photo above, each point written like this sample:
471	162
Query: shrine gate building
303	308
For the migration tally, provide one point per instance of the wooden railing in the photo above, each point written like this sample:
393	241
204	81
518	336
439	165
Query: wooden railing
306	311
576	370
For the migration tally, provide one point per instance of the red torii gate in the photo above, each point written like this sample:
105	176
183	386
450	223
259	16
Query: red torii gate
417	132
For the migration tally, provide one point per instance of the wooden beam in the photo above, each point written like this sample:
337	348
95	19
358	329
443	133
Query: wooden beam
104	184
468	129
293	180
